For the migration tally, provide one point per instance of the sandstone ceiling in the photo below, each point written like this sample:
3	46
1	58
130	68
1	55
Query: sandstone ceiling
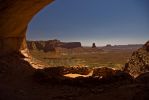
14	18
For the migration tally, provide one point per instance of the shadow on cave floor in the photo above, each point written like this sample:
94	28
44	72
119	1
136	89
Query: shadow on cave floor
20	81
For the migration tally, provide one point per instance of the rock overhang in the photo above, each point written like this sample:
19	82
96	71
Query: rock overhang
14	18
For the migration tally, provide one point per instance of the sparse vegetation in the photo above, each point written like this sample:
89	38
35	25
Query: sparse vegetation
84	57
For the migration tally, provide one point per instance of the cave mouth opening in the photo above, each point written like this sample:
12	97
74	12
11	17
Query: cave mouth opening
55	26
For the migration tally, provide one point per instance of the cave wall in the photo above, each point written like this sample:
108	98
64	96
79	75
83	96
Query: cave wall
14	18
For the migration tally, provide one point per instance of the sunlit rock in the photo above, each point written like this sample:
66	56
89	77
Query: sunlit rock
139	61
14	19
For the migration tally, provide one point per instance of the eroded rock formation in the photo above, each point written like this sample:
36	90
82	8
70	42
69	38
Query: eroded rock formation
51	45
14	18
108	45
139	61
93	45
16	74
104	72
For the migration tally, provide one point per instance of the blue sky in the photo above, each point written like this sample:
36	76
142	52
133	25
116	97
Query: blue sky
100	21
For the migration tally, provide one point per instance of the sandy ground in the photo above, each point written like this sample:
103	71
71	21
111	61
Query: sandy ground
78	75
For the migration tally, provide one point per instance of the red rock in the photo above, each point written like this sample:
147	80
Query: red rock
51	45
138	62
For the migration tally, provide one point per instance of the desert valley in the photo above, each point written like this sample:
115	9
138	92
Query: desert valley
57	53
79	69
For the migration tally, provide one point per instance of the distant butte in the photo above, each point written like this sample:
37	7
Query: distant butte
50	45
93	45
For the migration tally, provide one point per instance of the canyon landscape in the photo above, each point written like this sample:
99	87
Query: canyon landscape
56	70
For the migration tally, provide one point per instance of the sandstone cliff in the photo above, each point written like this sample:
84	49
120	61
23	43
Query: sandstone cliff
14	19
51	45
139	61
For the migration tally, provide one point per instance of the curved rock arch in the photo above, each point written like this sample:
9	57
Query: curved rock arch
14	18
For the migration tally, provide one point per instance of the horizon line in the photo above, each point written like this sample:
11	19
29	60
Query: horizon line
91	43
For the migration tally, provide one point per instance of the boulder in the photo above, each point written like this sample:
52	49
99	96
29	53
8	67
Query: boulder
110	75
103	72
146	46
77	70
138	62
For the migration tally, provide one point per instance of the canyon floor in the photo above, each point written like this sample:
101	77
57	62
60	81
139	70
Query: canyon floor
20	81
85	56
